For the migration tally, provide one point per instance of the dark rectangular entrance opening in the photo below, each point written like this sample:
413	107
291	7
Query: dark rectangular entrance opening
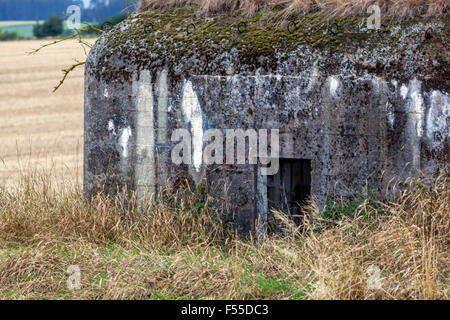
289	189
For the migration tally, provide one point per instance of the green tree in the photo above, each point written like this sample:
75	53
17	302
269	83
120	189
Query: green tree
6	36
53	27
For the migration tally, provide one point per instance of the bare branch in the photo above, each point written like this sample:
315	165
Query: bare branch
76	34
67	71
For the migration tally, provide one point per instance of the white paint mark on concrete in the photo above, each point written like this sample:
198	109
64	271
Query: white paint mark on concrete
403	91
197	140
376	84
162	137
230	70
394	83
188	98
415	114
313	78
145	172
437	127
334	85
390	115
123	141
111	127
416	106
163	101
193	115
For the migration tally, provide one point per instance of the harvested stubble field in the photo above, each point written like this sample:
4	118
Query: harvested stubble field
40	129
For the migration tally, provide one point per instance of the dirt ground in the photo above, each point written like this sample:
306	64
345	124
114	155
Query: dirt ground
40	129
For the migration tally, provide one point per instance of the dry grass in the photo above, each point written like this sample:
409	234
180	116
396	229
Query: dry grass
399	8
180	249
40	129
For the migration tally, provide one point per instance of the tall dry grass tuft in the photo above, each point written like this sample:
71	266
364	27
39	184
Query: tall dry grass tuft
394	250
179	248
399	8
37	211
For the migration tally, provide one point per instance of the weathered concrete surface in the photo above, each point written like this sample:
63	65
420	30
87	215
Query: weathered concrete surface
370	110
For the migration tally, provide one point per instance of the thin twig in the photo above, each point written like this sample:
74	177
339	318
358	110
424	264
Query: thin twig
67	71
82	44
79	31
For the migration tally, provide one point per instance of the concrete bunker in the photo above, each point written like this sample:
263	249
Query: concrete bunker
339	123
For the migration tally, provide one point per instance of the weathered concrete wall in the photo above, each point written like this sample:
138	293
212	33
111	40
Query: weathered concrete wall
364	113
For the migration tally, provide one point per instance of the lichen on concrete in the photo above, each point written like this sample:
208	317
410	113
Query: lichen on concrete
363	106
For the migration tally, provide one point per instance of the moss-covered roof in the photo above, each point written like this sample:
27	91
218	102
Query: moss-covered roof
178	38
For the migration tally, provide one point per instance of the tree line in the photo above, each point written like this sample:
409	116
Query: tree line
97	11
